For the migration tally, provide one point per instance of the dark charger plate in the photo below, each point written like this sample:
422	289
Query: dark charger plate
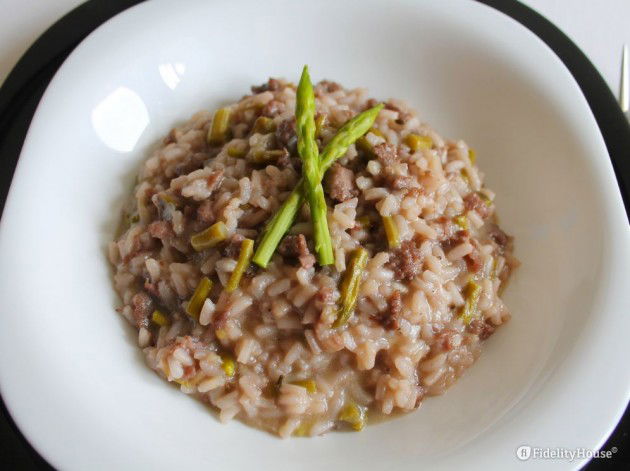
24	87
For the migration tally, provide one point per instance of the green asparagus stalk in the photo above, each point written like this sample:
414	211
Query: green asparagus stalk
159	318
347	135
350	286
193	308
336	148
210	237
469	310
307	148
391	232
220	127
244	257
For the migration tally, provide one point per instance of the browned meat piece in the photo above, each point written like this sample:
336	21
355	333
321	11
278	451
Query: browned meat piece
286	137
390	318
386	153
340	183
252	270
497	235
461	236
395	306
474	261
205	213
161	230
273	108
474	202
399	182
456	239
171	137
371	103
272	85
289	247
284	160
325	295
295	247
503	240
483	329
142	305
307	261
152	289
403	116
285	132
189	211
214	180
233	246
330	86
486	331
406	262
475	326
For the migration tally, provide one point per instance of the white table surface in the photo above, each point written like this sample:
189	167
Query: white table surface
598	27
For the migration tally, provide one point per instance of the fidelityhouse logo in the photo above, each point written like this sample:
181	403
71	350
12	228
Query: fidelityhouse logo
526	452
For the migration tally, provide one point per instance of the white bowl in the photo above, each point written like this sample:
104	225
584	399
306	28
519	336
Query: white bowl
555	376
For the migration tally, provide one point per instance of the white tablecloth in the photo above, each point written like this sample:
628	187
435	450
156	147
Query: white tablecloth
599	27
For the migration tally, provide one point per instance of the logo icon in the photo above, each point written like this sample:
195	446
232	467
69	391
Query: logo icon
524	452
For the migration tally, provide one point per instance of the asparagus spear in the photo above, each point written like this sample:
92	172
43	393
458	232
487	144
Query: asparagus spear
159	318
209	237
307	148
469	310
193	308
336	148
350	285
244	257
219	130
391	231
415	142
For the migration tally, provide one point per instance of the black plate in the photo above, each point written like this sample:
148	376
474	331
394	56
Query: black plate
24	87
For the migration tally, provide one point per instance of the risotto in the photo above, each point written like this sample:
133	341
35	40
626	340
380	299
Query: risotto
419	264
